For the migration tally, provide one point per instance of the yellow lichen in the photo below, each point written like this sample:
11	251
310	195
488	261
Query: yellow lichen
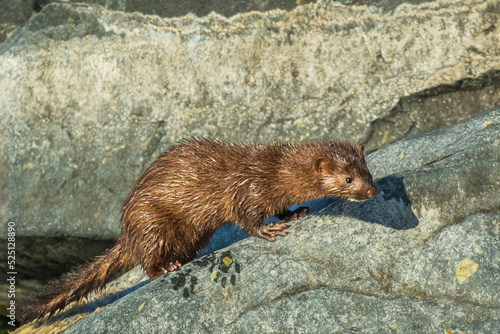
227	261
465	269
384	139
28	165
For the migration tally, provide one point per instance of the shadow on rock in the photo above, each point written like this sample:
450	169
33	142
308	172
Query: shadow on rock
391	207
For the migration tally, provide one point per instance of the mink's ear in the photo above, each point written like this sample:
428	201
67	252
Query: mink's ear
320	166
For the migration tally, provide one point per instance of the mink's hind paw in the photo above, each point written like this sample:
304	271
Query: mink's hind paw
171	267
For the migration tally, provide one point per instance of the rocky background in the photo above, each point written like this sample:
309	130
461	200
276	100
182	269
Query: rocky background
92	91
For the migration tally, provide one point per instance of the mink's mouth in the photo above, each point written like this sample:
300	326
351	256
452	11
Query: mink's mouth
360	197
352	199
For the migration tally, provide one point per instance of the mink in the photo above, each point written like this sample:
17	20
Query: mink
200	185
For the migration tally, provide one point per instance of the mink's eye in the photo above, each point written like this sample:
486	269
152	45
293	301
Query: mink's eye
348	180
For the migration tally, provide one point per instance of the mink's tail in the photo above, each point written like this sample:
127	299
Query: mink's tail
76	284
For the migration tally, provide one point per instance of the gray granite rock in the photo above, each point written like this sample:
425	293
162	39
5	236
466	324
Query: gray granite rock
438	146
423	256
172	8
12	13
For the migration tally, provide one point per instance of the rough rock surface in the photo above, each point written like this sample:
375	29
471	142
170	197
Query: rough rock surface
90	96
12	13
423	256
173	8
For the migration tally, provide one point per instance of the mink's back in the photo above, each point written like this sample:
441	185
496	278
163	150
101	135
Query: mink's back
196	181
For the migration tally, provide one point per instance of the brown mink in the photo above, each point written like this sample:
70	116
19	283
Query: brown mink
200	185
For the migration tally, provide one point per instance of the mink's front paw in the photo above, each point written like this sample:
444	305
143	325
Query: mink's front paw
271	230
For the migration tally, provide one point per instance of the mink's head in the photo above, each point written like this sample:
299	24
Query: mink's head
343	173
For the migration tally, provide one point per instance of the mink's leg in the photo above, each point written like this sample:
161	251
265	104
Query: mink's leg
293	215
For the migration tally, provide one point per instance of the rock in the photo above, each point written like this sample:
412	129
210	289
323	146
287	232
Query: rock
436	146
354	266
172	8
91	95
12	13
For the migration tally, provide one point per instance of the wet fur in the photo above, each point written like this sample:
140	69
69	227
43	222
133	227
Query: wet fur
200	185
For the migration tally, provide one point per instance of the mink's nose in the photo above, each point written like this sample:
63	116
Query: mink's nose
372	192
